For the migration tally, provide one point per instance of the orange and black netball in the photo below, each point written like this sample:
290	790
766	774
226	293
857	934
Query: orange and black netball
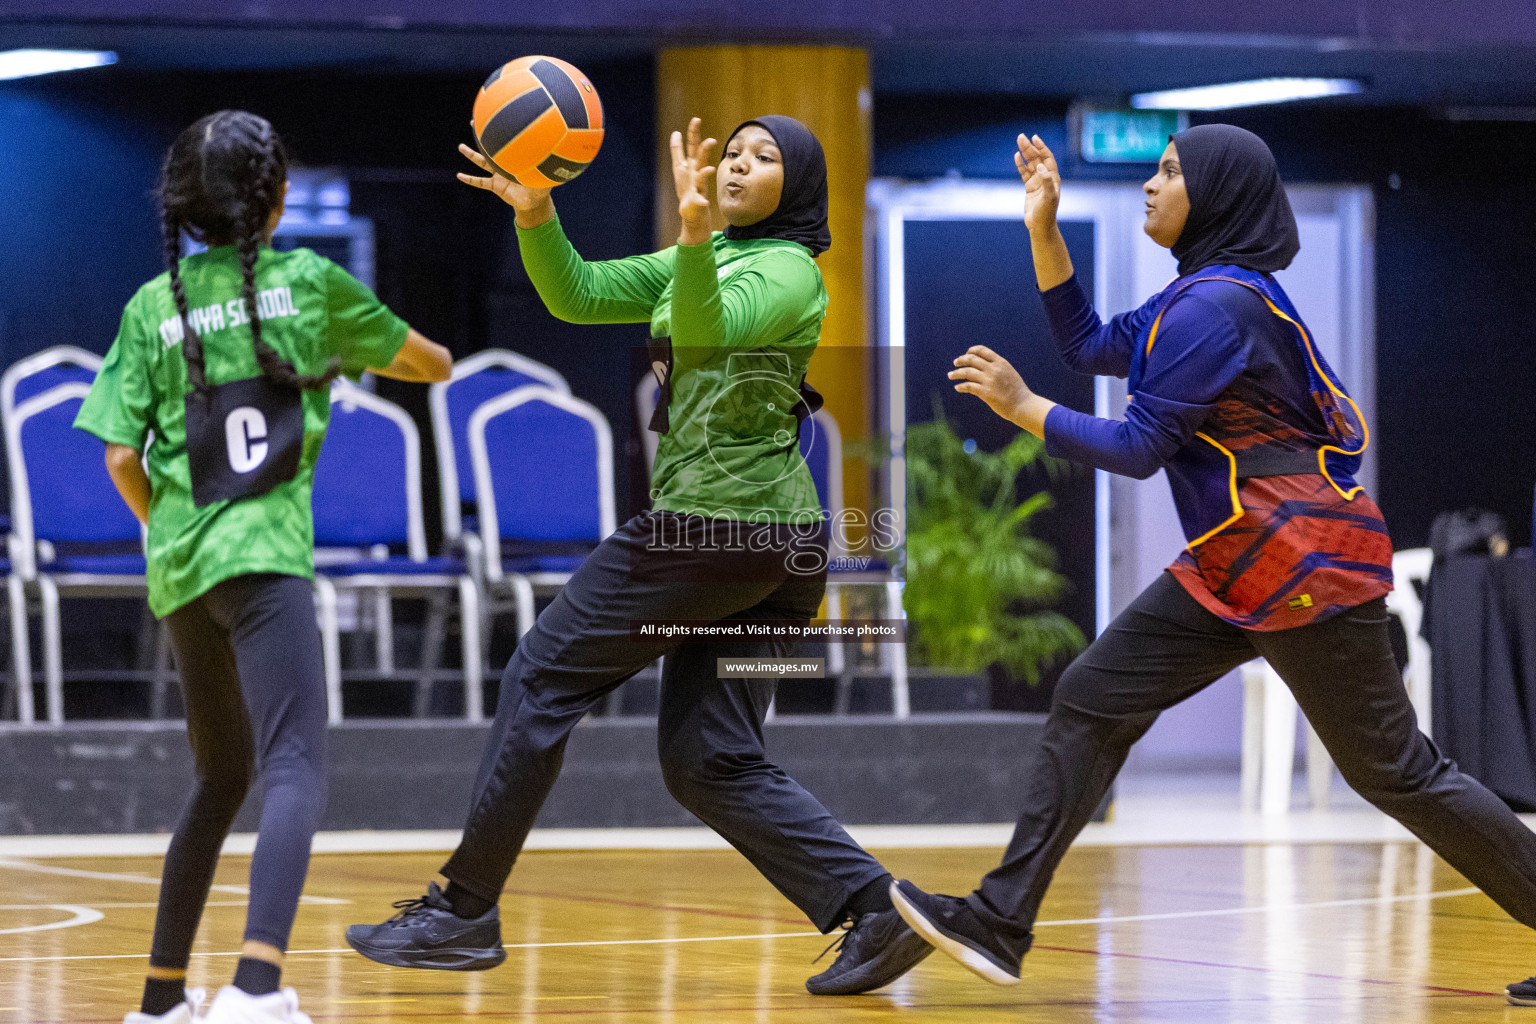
539	121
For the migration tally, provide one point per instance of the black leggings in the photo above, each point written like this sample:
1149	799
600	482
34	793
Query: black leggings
1164	648
253	683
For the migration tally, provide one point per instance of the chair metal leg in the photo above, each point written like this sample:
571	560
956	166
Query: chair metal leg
383	632
21	649
1319	770
144	641
1420	678
522	590
901	703
837	664
472	649
1253	734
431	652
9	704
53	650
330	646
1279	745
160	677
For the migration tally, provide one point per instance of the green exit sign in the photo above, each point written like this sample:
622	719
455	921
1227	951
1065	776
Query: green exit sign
1108	136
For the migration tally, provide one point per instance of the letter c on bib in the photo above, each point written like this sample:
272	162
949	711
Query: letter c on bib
245	431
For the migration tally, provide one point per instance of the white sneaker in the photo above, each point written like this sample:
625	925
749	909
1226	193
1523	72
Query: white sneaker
185	1012
235	1006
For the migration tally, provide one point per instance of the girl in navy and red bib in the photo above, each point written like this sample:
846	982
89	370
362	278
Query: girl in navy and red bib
1288	559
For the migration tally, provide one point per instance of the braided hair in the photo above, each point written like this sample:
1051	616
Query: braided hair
222	178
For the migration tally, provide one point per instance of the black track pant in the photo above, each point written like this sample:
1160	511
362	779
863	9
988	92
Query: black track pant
1166	647
253	683
710	729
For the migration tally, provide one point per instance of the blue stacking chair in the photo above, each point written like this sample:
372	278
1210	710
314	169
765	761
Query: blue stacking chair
475	381
369	537
72	535
543	466
29	377
22	380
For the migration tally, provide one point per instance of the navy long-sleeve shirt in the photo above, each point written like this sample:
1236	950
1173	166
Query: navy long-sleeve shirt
1205	341
1265	552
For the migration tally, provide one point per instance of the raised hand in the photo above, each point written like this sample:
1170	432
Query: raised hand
1042	182
991	378
533	205
694	178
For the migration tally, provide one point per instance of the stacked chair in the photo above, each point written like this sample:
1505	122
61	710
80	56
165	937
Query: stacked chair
71	534
475	381
370	540
544	462
543	472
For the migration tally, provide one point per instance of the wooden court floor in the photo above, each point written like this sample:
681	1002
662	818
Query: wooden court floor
1309	933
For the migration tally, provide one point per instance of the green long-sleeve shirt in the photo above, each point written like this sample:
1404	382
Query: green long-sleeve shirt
744	318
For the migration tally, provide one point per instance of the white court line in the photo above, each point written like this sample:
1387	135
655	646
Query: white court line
1444	894
1266	908
1134	828
81	915
113	876
118	906
511	945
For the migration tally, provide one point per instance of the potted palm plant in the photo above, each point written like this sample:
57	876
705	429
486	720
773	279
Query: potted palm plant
980	588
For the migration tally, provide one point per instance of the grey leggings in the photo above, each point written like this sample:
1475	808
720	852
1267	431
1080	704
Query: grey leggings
253	683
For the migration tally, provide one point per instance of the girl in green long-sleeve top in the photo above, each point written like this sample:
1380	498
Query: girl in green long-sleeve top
728	449
735	539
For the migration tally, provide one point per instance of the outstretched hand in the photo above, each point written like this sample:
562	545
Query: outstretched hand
1042	182
694	178
991	378
533	205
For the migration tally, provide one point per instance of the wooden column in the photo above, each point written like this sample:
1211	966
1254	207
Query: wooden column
827	88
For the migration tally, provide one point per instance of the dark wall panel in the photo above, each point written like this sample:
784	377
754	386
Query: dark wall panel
929	769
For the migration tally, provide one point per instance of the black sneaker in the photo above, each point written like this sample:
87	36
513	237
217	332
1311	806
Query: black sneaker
1522	993
951	925
427	934
877	950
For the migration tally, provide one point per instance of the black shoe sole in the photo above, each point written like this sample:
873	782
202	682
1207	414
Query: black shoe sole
976	961
897	959
1515	1000
447	959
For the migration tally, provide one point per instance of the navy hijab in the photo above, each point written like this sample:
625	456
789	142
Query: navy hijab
1238	210
801	215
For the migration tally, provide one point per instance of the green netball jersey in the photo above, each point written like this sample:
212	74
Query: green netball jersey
310	309
744	317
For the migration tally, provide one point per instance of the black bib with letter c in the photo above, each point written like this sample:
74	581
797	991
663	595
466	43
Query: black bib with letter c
243	439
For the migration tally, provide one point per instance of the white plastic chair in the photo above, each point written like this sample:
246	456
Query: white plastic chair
1269	710
1269	745
1410	570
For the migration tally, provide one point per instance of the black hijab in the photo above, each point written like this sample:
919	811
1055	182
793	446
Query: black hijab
1238	210
801	215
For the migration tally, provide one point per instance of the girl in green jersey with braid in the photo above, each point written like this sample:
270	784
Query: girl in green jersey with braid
734	537
228	359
